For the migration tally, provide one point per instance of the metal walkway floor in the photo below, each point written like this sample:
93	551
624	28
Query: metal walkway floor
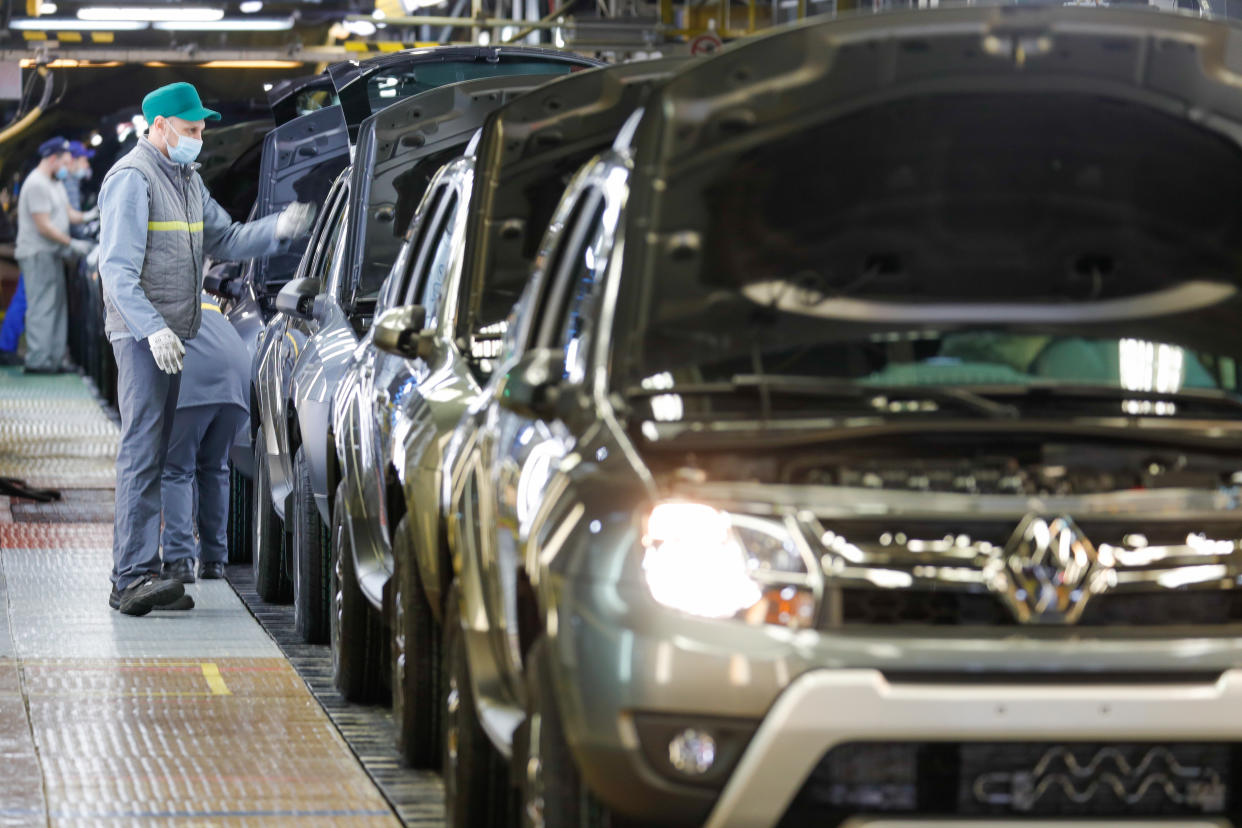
191	718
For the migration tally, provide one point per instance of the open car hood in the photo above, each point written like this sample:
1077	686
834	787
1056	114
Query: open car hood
350	76
290	98
529	150
986	149
398	152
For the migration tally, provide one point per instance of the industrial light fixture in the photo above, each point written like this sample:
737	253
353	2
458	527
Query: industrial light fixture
68	24
362	28
251	64
250	24
47	8
96	139
171	13
411	6
250	6
378	14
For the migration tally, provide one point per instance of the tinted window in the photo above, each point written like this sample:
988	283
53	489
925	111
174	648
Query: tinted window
436	262
332	252
581	276
407	262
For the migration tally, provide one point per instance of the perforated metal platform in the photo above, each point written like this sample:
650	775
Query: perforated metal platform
194	717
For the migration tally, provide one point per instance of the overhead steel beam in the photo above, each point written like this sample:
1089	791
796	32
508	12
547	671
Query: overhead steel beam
52	50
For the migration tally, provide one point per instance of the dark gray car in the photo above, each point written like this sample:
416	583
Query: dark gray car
868	449
467	258
308	346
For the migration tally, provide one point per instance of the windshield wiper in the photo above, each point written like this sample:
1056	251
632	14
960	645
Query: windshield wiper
831	387
1053	390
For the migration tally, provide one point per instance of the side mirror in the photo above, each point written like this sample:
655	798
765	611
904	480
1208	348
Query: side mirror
400	331
297	298
532	387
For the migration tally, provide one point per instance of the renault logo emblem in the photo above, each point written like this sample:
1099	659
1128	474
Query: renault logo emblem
1051	567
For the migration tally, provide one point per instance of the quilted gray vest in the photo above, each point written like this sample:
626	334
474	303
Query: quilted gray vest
172	270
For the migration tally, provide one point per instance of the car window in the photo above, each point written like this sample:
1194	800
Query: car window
435	262
406	266
334	248
328	230
570	304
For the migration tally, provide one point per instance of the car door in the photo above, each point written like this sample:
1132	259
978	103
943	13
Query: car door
523	454
389	384
301	159
288	346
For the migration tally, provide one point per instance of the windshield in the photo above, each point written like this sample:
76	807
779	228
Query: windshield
972	241
387	87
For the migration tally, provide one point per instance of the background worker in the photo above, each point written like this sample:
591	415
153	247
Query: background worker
43	242
157	221
212	406
79	173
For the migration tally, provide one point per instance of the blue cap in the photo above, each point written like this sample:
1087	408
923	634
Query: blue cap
53	146
80	150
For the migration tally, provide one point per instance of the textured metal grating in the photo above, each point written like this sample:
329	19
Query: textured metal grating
187	717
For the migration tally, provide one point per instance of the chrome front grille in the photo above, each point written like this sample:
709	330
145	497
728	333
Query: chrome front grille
1039	570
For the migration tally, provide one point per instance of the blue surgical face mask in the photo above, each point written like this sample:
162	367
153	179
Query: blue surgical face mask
187	148
62	173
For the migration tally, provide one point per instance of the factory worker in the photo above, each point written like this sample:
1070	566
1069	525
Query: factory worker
43	243
212	407
157	221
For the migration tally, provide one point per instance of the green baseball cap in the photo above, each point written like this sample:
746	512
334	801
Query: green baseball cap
177	100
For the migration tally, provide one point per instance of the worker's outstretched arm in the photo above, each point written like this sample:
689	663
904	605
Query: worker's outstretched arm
231	240
122	249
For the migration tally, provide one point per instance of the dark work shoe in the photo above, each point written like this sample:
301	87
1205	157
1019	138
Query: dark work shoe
182	570
114	600
213	571
185	602
147	593
10	358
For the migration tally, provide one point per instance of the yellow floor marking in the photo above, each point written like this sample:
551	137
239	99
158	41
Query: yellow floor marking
215	681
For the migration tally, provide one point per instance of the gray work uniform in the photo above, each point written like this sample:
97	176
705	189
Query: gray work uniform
156	222
43	270
212	406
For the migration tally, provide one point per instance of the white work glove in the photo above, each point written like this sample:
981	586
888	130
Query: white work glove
295	220
77	248
167	349
90	215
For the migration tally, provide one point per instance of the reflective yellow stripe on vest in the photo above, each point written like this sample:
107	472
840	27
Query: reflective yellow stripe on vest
196	227
209	306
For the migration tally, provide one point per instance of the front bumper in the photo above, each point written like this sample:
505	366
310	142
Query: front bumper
825	708
619	659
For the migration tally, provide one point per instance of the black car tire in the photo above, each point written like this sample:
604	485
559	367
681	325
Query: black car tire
270	545
356	630
311	579
416	662
552	792
241	532
476	786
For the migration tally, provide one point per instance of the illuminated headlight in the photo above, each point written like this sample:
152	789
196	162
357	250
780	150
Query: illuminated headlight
705	562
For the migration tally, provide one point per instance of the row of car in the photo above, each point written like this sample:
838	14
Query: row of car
841	428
